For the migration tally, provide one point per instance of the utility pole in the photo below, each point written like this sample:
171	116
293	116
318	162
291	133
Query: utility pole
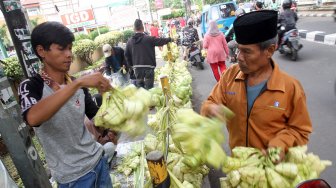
13	130
20	34
16	136
150	10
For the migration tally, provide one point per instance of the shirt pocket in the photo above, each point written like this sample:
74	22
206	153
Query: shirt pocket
269	117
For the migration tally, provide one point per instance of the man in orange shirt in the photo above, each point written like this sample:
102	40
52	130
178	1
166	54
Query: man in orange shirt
269	105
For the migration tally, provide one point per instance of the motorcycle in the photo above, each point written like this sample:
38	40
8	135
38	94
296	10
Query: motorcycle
195	56
314	183
290	43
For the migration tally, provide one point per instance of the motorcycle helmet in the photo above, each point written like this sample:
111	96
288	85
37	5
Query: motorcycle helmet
239	12
287	4
190	22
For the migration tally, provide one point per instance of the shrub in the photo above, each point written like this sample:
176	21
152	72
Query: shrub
174	14
111	38
83	49
81	37
127	34
12	68
95	33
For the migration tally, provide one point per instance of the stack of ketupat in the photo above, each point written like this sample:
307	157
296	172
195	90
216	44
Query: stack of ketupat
124	110
192	138
248	167
170	52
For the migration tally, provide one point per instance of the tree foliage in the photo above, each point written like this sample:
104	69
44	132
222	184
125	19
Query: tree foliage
83	49
95	33
111	38
127	34
12	68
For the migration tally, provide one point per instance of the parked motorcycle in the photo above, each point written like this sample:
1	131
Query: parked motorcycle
314	183
195	56
290	43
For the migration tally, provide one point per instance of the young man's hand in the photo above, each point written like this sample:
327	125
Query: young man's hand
95	80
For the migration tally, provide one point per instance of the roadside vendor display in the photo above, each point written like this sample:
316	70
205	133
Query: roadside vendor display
188	141
124	110
249	167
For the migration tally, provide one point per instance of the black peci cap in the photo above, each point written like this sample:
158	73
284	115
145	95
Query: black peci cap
256	27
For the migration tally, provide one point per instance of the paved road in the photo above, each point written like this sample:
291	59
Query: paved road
325	24
316	70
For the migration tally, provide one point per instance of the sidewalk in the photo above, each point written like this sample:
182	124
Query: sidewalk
312	13
316	11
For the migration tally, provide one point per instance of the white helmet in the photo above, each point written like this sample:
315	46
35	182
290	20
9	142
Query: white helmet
107	50
190	21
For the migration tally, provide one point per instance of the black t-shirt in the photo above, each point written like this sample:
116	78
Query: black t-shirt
31	91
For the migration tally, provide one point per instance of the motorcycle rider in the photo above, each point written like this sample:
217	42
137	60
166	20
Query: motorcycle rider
259	5
190	35
287	18
231	38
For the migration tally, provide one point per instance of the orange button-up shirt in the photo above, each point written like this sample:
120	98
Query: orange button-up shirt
278	118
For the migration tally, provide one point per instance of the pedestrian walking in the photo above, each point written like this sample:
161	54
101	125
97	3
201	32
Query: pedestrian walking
140	55
154	31
55	105
269	105
217	49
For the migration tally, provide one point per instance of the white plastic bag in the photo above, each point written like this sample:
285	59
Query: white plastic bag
119	79
5	180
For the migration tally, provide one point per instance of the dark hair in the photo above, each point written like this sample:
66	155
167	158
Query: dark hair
48	33
138	26
259	4
286	4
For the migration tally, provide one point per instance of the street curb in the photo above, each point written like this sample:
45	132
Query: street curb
314	15
318	36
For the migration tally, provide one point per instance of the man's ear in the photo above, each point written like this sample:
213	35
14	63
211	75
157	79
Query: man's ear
270	51
40	51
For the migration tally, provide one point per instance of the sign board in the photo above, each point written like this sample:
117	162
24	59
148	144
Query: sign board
20	34
123	17
141	5
165	11
78	19
159	4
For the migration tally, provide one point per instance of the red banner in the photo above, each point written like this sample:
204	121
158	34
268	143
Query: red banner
78	17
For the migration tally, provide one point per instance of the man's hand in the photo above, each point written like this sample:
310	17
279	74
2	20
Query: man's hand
216	111
221	112
95	80
276	156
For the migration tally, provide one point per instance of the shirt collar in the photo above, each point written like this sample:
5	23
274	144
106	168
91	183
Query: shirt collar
275	82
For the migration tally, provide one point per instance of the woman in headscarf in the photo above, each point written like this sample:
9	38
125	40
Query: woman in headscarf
217	49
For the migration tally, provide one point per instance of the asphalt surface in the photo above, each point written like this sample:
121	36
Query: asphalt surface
325	24
316	70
